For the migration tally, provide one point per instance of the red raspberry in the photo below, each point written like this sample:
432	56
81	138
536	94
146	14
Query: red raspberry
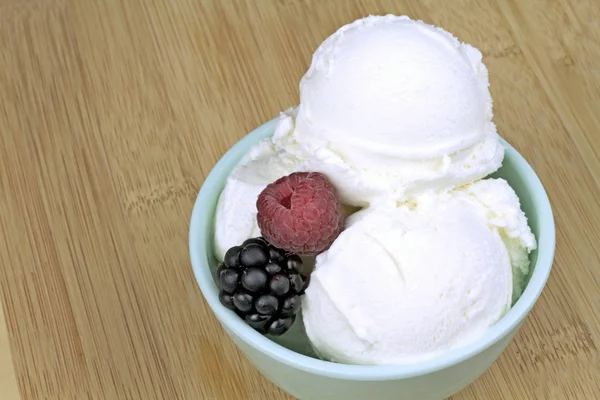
300	213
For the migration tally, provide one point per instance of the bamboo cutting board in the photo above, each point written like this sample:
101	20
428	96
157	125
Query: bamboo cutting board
112	113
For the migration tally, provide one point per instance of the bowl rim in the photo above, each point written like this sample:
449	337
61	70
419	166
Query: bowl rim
201	227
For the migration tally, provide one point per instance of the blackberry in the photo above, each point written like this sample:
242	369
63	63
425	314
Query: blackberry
229	280
263	285
243	301
280	284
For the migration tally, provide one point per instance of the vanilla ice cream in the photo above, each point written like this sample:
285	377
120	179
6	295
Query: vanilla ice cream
504	214
235	216
392	106
401	284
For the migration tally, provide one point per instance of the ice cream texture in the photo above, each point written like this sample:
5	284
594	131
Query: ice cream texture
235	217
398	115
401	284
401	106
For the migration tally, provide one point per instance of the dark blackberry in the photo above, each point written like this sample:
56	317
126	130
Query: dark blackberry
276	255
291	306
254	255
229	280
267	304
254	279
281	325
232	257
259	322
243	301
227	300
272	268
220	269
257	240
280	284
294	263
262	284
297	282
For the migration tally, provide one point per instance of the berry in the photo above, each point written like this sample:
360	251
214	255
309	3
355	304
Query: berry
297	282
257	240
267	304
243	301
229	280
263	284
227	300
300	213
220	269
272	268
232	257
279	285
258	321
294	263
276	255
281	325
254	279
254	254
291	306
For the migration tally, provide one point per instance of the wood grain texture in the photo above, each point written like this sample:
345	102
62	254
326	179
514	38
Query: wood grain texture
113	112
8	382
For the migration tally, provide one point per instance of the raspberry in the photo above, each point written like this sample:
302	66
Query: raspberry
300	213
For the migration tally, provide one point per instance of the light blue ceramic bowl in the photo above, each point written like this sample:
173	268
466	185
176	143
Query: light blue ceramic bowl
292	366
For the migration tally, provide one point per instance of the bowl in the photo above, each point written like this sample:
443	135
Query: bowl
290	363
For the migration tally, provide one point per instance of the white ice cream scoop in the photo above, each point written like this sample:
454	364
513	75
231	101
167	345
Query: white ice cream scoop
403	284
390	106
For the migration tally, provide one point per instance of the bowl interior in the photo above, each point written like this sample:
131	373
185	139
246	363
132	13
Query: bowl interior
515	170
509	172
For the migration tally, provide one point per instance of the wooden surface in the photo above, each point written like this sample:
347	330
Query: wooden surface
112	113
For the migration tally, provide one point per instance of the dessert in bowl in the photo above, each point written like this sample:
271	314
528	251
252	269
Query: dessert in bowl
382	264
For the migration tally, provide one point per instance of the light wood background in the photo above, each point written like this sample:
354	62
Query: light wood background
112	113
